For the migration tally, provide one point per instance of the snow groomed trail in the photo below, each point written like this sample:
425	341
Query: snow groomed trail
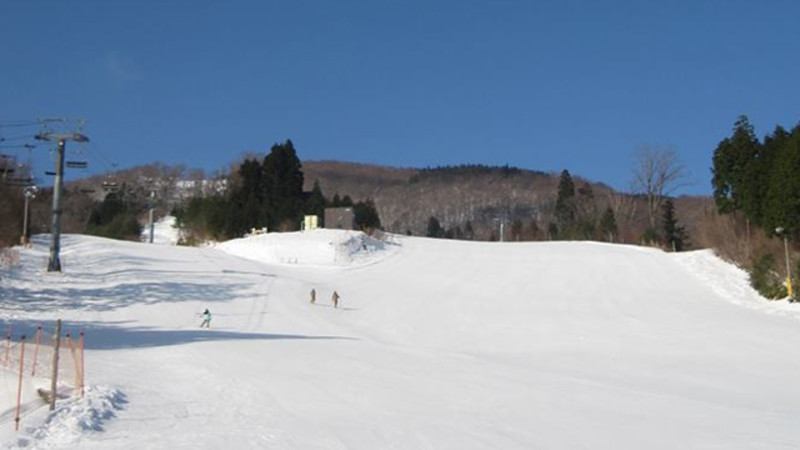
436	344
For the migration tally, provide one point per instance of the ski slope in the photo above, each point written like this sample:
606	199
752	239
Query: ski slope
436	344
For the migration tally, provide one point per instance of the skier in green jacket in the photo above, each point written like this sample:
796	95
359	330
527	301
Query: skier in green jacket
206	319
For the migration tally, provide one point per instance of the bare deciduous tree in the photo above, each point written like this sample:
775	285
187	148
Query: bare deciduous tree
657	174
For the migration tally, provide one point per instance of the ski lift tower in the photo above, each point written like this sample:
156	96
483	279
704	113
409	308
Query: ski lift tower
30	193
55	233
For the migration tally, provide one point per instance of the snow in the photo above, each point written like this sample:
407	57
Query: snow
309	248
436	344
165	232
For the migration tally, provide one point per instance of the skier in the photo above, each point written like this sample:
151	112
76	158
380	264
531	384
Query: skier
313	295
206	319
335	299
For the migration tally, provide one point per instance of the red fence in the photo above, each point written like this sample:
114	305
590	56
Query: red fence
52	359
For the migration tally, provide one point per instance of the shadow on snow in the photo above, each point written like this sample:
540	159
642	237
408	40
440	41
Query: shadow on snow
105	299
118	335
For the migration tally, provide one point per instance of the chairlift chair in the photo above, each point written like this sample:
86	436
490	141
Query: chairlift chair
19	181
77	164
110	186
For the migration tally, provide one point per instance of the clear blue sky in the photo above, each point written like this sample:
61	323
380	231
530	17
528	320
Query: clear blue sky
542	85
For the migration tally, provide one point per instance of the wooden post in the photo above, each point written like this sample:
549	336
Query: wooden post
54	381
19	389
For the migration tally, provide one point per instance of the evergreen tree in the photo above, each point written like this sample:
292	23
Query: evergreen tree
434	228
608	224
104	212
674	234
781	200
366	215
516	230
341	202
565	206
315	203
250	181
283	186
552	230
469	232
733	167
114	218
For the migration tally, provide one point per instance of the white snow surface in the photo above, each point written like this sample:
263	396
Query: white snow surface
436	344
164	232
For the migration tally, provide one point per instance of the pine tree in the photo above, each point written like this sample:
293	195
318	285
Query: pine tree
283	186
469	232
366	215
434	228
516	230
315	203
565	206
781	202
733	159
608	224
674	234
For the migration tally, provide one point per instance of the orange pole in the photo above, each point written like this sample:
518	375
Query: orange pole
83	378
36	351
19	390
74	359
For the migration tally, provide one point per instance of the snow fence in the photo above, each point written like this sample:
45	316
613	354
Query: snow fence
38	367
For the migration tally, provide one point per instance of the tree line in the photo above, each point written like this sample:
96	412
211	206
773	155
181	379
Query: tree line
758	178
266	194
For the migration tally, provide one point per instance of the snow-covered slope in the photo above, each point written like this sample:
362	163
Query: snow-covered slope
164	232
436	344
317	247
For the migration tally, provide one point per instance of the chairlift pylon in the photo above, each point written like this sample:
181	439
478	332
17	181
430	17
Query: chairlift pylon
8	164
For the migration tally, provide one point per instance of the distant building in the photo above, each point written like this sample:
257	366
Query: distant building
310	222
341	218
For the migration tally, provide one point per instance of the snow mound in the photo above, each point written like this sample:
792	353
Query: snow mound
73	419
731	282
316	247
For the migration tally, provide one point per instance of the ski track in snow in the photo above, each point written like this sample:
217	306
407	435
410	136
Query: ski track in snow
436	344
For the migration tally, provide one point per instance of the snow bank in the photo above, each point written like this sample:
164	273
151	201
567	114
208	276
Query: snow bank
320	247
72	419
730	282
